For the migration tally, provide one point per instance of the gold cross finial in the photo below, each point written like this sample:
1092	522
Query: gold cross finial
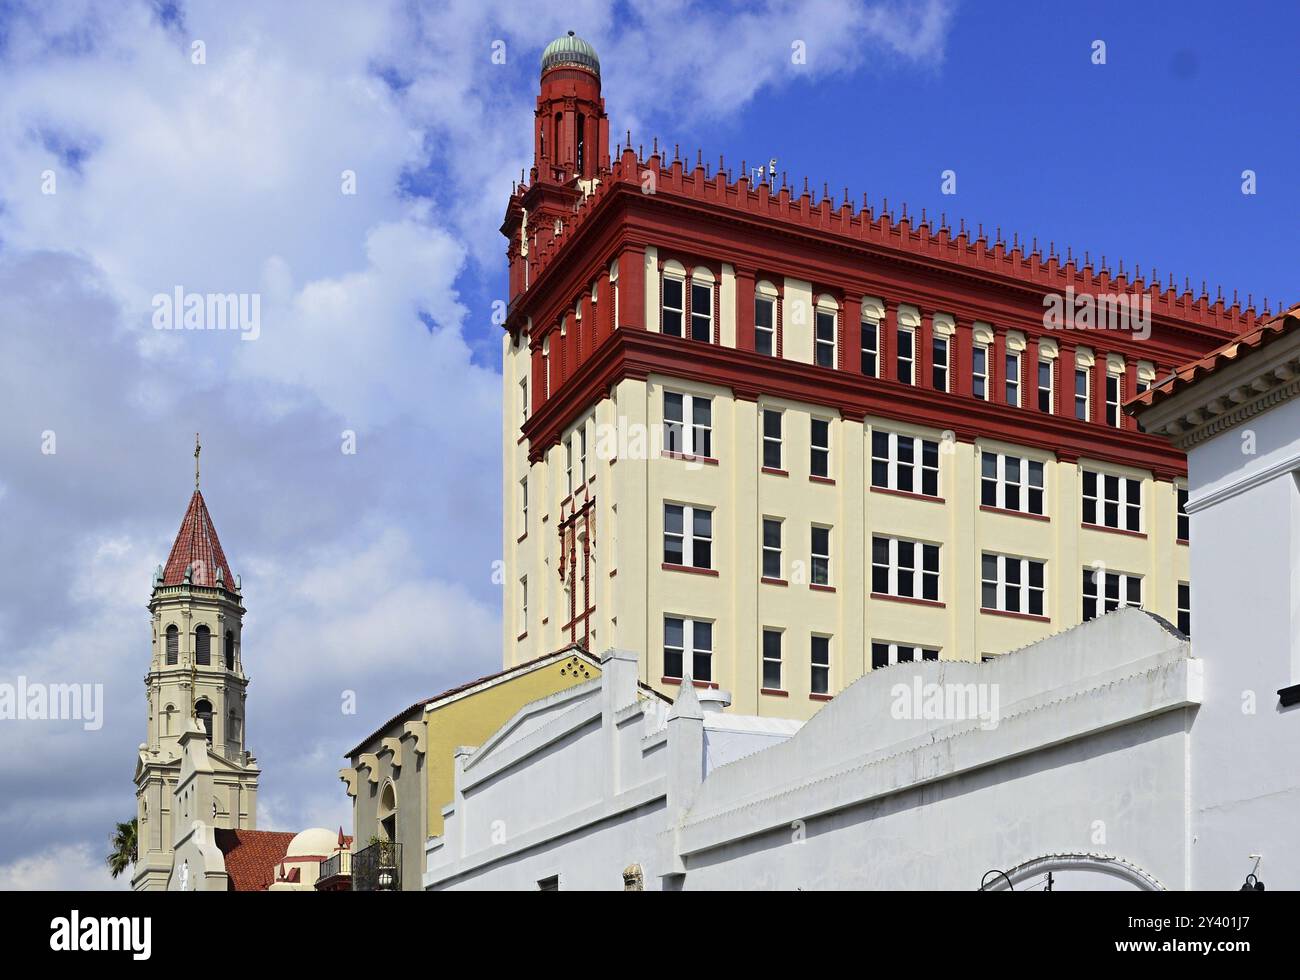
197	449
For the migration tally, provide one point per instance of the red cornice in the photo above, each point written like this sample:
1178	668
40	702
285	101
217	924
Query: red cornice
639	353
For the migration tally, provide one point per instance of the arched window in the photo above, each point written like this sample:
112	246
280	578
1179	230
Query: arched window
230	649
167	719
173	645
203	712
582	126
672	306
202	646
388	813
559	136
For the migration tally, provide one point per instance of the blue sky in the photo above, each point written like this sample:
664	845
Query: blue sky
373	572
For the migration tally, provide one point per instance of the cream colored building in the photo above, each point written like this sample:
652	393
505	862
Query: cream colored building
834	509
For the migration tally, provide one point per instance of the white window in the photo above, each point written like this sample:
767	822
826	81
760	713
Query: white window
819	449
772	659
1011	483
765	325
1112	501
688	536
1013	378
688	424
979	370
939	363
523	401
568	463
1045	386
771	439
906	356
582	455
688	642
1184	521
820	657
1105	591
772	547
883	654
1081	394
523	505
825	339
821	555
523	604
870	347
1185	608
1011	584
673	311
906	463
701	311
900	567
1114	393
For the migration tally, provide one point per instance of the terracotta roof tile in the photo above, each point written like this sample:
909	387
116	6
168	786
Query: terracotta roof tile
1261	336
197	547
252	856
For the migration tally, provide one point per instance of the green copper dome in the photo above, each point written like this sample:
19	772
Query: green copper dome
570	50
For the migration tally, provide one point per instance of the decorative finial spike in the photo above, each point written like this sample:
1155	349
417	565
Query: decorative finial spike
197	449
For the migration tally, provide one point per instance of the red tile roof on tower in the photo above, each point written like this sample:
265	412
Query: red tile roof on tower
252	855
197	547
1247	343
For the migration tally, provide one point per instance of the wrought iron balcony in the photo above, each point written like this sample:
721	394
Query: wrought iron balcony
378	868
335	871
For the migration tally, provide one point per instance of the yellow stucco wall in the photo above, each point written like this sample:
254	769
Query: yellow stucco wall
472	719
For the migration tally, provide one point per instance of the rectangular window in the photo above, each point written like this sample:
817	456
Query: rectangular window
523	506
1112	501
819	449
765	325
1184	521
1045	386
1010	584
1113	394
688	642
1013	379
772	547
1105	591
906	463
568	463
939	363
821	665
670	318
1011	483
688	439
909	569
870	348
825	339
821	555
771	439
1081	394
906	356
1185	608
523	401
523	604
883	654
702	311
772	659
582	455
688	536
979	370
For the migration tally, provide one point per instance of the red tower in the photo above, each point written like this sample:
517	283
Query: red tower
570	149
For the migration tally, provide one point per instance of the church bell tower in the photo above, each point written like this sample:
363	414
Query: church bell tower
196	680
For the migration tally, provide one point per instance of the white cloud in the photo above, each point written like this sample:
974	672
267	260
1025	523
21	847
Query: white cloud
64	867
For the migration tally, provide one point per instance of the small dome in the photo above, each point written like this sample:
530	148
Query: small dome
312	842
570	50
